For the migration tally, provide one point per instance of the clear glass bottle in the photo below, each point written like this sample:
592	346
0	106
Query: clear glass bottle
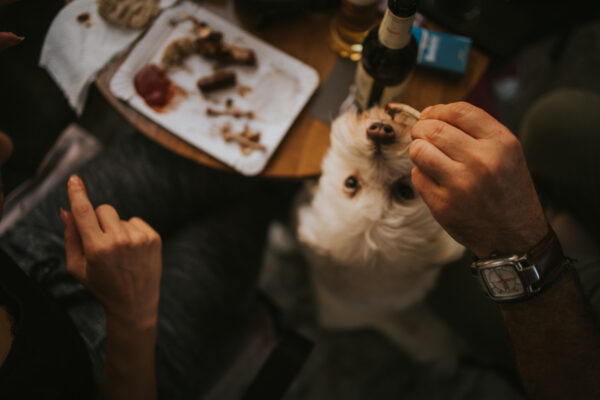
350	26
389	56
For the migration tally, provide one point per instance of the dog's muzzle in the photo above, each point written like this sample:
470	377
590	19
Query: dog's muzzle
381	134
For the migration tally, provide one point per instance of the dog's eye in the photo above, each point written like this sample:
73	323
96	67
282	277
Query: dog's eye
351	183
402	190
351	186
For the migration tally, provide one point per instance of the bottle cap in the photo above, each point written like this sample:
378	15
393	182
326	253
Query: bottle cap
403	8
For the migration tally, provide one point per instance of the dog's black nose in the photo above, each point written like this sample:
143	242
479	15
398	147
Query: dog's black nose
381	134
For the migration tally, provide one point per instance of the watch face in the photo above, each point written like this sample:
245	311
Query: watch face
503	281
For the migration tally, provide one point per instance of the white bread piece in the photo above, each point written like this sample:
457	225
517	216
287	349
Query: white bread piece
128	13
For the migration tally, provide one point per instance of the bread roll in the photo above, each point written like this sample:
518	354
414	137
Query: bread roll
128	13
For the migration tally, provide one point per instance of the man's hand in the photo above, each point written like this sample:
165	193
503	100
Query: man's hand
471	172
118	261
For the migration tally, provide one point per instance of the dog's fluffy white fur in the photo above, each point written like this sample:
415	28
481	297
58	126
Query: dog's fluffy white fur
374	251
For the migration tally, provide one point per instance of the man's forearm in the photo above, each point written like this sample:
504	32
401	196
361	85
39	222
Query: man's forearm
556	340
129	370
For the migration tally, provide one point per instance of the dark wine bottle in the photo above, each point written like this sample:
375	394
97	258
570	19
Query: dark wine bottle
389	55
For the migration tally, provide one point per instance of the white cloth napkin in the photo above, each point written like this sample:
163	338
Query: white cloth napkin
74	53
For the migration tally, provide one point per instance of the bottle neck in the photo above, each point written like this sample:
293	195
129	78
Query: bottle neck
395	32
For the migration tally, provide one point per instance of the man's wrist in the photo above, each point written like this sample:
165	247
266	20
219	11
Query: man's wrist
519	277
524	240
566	272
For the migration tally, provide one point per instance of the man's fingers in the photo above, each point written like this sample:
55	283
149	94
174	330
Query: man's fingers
466	117
430	191
109	218
8	39
84	215
76	264
450	140
432	161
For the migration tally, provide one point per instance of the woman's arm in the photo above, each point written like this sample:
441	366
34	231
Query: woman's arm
120	263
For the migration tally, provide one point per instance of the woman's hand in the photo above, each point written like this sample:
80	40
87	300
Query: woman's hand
8	39
118	261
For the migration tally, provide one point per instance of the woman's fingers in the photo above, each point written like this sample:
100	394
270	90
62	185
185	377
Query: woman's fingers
76	263
8	39
141	225
109	219
141	228
82	211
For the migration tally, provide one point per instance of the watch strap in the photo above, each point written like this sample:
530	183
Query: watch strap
547	256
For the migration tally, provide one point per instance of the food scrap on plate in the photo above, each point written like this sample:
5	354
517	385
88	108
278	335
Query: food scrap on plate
208	43
153	85
248	140
215	63
219	80
234	112
230	110
177	51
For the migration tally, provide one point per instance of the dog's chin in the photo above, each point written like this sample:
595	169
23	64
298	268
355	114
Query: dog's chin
382	235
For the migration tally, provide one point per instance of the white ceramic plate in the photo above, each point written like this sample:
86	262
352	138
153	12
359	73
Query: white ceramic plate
280	87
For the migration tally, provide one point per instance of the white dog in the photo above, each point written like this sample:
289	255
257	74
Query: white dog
374	248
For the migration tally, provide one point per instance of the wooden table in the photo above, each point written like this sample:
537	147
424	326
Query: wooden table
303	37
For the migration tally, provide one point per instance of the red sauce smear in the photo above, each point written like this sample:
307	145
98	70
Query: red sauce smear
152	83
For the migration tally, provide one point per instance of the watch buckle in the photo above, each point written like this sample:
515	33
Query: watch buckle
529	276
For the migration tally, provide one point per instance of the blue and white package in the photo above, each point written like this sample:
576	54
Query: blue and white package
441	50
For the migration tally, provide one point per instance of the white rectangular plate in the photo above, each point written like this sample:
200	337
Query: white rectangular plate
280	87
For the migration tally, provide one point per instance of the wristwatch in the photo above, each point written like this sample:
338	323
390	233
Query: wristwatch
520	277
